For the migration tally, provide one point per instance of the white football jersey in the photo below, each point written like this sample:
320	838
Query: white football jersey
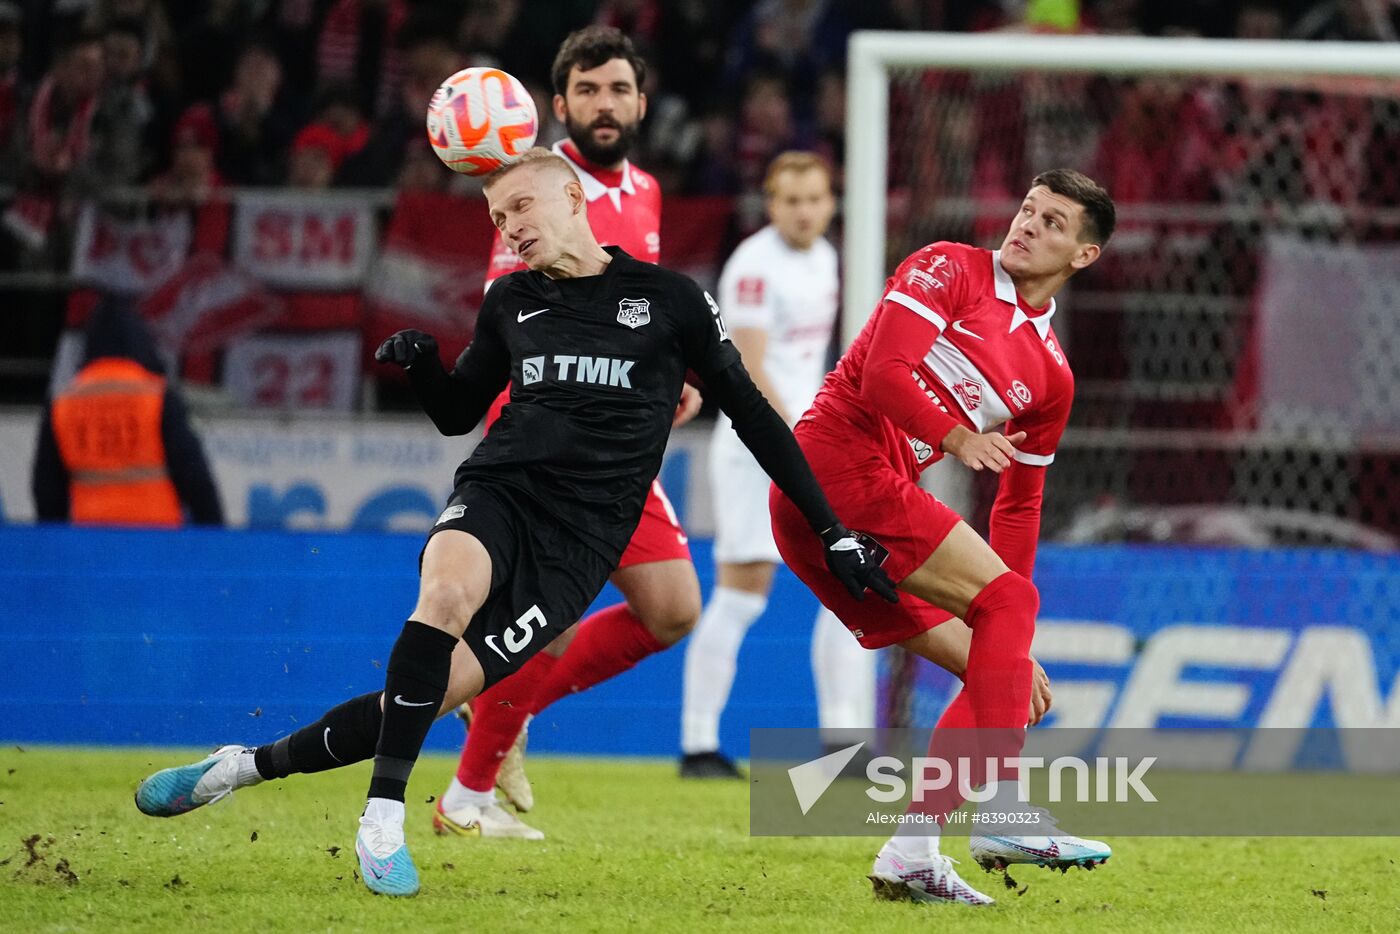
792	295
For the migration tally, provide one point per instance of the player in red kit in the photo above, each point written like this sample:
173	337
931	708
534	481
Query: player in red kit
960	345
597	78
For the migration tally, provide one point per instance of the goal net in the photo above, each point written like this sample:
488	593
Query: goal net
1237	348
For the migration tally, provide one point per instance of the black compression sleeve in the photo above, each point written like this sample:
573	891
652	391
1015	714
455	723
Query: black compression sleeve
771	442
455	403
458	401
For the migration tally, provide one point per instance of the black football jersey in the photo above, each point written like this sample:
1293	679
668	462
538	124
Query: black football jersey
595	366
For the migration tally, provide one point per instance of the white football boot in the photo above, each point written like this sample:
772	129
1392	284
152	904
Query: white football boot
491	820
930	878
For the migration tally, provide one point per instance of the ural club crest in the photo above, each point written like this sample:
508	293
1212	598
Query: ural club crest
633	312
970	392
450	513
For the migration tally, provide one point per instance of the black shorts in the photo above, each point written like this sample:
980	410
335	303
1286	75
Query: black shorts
543	577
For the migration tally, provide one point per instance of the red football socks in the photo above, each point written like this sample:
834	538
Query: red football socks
498	715
958	716
988	717
998	679
607	643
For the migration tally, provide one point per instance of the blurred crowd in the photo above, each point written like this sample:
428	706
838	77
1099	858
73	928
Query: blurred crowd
187	97
1312	155
312	93
172	101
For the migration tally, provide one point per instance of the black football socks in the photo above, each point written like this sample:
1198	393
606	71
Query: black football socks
344	735
419	667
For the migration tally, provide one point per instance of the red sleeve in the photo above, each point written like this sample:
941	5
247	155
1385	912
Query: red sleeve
1015	521
657	189
900	341
932	282
919	298
1044	427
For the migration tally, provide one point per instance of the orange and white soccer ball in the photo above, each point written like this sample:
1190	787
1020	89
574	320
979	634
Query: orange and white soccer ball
480	119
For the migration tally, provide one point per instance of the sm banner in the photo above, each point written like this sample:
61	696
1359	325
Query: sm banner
296	241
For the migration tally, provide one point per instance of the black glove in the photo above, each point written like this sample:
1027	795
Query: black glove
849	560
408	347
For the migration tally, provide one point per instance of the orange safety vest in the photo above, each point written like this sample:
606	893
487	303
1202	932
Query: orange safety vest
107	422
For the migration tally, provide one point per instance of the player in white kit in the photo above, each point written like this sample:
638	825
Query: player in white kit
779	295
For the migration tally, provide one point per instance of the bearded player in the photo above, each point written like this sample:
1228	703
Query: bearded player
597	77
960	345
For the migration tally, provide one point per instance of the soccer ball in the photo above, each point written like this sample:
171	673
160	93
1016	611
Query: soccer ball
480	119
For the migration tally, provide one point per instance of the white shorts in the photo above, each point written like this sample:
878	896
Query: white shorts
743	532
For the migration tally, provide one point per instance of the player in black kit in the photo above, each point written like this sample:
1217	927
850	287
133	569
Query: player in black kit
596	346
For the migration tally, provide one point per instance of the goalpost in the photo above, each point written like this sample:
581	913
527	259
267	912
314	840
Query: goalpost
873	55
1237	348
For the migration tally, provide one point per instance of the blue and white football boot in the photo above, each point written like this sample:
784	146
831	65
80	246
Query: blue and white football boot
186	787
1053	850
385	865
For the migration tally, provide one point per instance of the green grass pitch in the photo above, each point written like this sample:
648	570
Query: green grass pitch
630	847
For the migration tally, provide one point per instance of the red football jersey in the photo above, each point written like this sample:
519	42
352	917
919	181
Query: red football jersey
624	209
974	354
994	360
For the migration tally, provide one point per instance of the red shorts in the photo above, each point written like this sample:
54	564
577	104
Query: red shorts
871	496
659	536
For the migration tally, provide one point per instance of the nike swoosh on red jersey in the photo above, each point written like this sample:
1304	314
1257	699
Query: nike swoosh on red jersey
961	329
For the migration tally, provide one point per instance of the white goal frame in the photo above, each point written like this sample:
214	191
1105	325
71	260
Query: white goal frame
873	54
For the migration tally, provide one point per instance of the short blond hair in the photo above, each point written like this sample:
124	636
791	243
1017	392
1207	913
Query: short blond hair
536	157
796	161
